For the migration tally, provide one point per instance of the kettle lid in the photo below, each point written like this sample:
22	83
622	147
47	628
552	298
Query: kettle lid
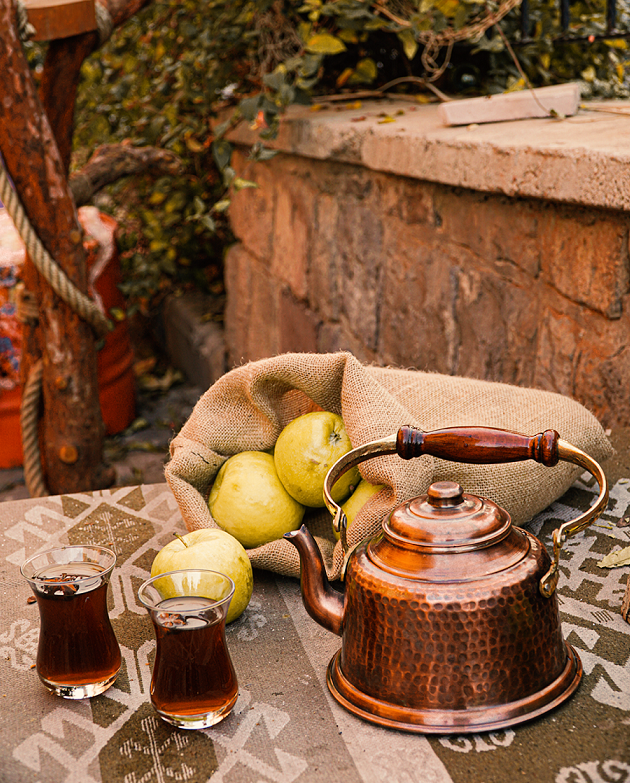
447	520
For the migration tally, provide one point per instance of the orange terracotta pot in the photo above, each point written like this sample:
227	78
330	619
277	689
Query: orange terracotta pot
117	388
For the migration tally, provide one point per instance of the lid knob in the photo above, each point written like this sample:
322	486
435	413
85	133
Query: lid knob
445	494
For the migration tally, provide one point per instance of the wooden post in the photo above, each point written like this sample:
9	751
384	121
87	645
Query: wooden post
72	428
58	87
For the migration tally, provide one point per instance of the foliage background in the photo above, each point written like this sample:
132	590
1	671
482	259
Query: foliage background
161	78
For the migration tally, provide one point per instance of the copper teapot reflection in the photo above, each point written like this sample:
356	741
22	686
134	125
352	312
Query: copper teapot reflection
449	618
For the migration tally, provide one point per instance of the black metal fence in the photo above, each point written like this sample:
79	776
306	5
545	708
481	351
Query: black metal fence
565	33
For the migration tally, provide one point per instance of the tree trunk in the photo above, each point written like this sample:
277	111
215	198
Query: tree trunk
58	88
72	428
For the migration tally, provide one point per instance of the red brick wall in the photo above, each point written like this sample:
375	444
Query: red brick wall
409	273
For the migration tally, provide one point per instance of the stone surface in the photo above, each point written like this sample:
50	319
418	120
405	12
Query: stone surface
194	344
578	160
402	269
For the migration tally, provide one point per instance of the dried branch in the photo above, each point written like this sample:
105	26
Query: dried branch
110	162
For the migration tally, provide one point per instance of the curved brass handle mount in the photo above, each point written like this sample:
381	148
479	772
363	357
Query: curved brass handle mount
478	445
570	453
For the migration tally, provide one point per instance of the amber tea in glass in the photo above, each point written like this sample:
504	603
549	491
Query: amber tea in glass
194	684
78	655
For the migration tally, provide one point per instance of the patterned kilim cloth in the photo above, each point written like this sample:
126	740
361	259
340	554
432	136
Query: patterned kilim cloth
285	726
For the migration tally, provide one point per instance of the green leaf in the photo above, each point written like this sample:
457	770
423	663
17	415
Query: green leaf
365	72
310	65
410	45
249	107
222	153
260	153
275	81
239	184
209	223
324	43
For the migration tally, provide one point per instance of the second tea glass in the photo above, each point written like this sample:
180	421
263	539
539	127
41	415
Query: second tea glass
194	684
78	655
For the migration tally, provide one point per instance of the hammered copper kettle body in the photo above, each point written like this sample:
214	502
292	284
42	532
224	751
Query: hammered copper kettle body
449	619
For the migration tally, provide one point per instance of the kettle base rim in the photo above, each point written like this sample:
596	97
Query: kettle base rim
461	721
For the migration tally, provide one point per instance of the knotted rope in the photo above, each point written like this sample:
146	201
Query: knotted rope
24	27
46	266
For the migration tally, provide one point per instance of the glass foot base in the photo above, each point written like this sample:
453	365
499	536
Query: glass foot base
201	721
83	691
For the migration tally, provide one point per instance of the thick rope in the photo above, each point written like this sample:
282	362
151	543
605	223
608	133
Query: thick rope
45	265
79	302
29	422
104	22
24	28
27	312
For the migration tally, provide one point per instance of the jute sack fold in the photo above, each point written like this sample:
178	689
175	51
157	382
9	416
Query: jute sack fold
248	407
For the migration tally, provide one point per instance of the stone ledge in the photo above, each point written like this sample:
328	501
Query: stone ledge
579	160
194	345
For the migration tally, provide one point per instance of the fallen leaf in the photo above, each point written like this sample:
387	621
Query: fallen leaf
620	557
144	366
153	383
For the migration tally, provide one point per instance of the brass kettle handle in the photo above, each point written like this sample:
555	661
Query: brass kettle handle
479	445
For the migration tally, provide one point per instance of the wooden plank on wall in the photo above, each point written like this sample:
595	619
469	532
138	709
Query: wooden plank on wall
563	99
54	19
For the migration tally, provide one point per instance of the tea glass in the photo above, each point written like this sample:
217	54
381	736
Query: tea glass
193	684
78	655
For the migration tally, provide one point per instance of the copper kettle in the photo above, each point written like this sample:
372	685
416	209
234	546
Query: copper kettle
449	618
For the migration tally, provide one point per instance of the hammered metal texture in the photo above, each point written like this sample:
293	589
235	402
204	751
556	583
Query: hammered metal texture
452	645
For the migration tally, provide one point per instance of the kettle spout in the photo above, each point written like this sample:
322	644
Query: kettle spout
323	603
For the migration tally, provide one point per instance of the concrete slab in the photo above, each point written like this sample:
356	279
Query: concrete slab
194	344
581	159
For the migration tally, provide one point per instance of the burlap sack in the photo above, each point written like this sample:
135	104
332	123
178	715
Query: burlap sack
247	408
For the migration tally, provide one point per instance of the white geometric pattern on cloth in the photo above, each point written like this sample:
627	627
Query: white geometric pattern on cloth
610	771
20	644
608	593
264	739
480	743
59	728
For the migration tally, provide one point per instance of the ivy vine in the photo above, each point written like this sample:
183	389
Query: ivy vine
161	79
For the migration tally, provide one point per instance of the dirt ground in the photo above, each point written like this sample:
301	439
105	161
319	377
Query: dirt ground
137	455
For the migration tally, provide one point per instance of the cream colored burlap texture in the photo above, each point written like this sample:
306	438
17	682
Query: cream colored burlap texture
247	408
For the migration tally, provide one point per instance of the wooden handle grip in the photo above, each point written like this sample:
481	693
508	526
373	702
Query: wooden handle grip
481	445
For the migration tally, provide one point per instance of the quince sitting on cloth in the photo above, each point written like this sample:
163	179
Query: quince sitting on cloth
248	407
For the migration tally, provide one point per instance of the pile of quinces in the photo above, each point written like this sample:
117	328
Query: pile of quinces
257	497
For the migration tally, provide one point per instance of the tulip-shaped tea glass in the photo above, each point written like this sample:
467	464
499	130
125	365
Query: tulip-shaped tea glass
78	654
194	683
